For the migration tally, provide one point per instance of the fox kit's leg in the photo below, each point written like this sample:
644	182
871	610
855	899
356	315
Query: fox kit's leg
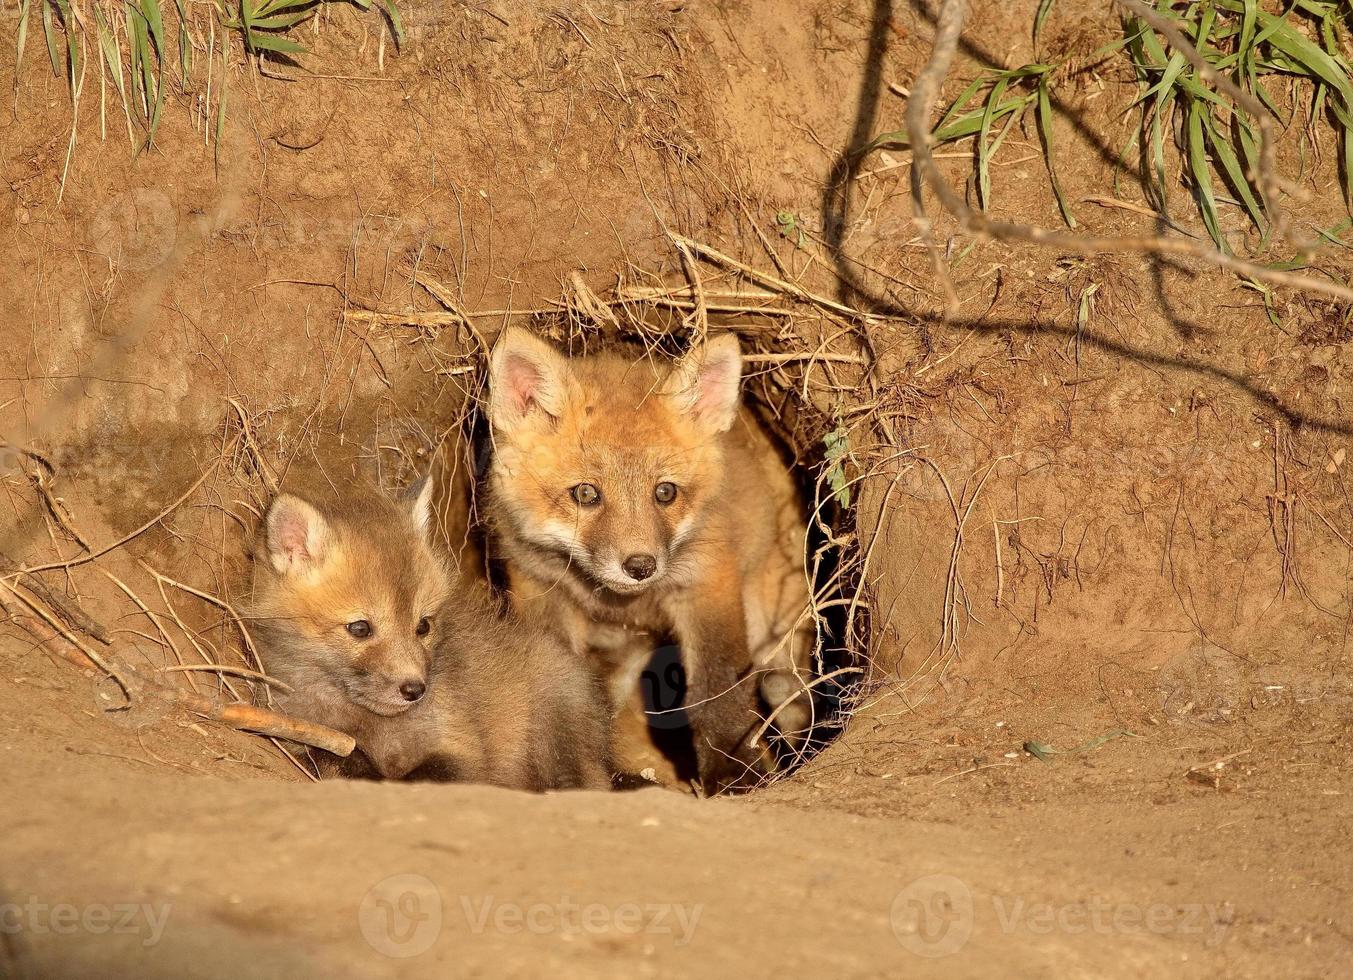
782	635
784	686
712	629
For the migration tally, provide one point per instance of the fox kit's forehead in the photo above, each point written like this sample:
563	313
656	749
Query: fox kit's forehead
617	403
390	560
376	566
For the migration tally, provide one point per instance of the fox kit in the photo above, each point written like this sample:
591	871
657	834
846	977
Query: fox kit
633	502
353	610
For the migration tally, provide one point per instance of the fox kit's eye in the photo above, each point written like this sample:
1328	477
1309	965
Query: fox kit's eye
360	628
665	492
586	495
424	625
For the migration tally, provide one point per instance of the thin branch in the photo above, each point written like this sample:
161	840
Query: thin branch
85	559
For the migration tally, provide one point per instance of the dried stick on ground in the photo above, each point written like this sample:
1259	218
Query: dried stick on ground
768	281
36	606
241	717
924	91
71	614
253	449
91	556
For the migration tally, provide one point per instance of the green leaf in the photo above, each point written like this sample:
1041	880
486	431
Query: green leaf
185	45
397	23
1245	47
1173	68
837	443
1044	8
984	149
1267	295
281	21
267	42
1045	128
1202	177
971	123
1015	117
1300	48
72	50
1158	113
1085	307
1333	234
112	57
155	113
134	62
276	6
1204	31
1226	156
221	109
150	10
1045	752
963	99
1348	163
1151	44
1039	750
1259	90
19	43
49	29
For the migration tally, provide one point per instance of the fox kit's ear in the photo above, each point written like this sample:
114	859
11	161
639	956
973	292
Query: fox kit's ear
419	497
298	536
526	378
705	382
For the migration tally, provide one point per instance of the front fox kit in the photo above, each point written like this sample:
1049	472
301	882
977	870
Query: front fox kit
633	501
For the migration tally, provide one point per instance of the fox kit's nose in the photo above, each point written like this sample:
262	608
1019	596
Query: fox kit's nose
412	690
639	567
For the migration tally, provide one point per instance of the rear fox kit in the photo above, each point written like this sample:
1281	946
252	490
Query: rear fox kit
632	501
353	610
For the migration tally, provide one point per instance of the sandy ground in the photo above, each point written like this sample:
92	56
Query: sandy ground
943	859
381	880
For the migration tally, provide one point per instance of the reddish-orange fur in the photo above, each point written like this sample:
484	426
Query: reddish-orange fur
728	549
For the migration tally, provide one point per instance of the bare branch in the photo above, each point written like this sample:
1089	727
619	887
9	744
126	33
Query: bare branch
925	89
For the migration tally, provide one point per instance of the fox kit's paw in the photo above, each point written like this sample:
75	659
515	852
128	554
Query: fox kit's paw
792	705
